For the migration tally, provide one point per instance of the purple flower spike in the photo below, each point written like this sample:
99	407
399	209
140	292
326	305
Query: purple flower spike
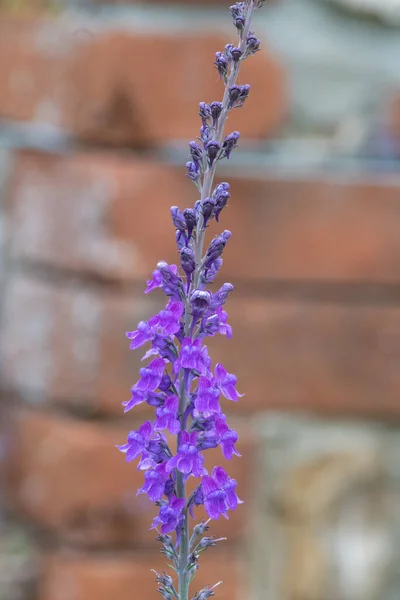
170	515
137	441
188	460
166	416
150	376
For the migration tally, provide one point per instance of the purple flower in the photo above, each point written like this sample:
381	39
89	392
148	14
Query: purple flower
207	208
143	334
156	452
155	481
167	415
188	459
138	397
188	262
196	153
191	220
226	437
226	383
221	196
170	515
200	301
166	277
211	273
207	399
204	112
193	356
168	320
219	493
235	54
137	441
150	376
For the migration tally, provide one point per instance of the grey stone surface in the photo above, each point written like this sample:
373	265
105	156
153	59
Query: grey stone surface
326	515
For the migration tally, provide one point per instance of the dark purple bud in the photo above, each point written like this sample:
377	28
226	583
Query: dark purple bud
188	261
193	171
208	542
200	301
216	109
191	220
213	149
210	275
252	43
221	63
216	248
165	384
165	540
204	594
237	12
166	348
207	443
180	239
205	134
237	95
207	208
230	143
178	219
195	152
204	112
221	196
154	399
234	53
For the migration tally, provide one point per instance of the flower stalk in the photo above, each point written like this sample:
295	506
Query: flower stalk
179	382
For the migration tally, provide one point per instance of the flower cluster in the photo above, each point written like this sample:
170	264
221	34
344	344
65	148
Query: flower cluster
179	382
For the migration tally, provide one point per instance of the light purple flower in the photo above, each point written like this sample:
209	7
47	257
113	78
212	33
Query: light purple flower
188	459
155	481
226	383
137	441
207	399
167	415
193	356
150	376
219	493
170	515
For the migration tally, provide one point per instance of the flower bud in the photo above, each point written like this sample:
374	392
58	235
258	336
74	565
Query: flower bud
195	152
178	219
230	143
200	301
193	171
252	43
238	94
187	261
204	112
191	220
216	109
221	63
212	149
207	208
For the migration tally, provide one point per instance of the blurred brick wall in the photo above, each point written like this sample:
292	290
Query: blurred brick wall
316	316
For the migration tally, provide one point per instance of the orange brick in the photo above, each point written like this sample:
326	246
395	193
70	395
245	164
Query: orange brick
327	357
70	576
67	345
67	477
95	83
102	215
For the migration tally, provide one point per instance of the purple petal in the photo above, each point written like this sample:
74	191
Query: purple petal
220	476
208	485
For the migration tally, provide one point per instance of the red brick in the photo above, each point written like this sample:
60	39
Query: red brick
94	213
327	357
69	576
100	214
95	84
68	345
67	477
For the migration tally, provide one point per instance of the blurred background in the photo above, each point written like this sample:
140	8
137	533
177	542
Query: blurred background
98	100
